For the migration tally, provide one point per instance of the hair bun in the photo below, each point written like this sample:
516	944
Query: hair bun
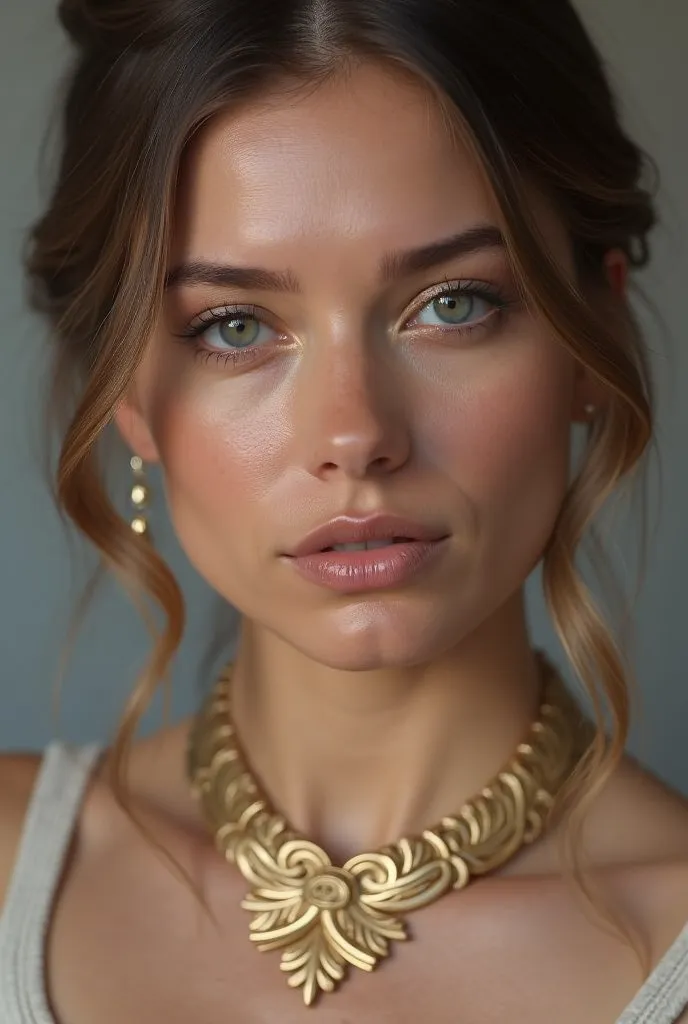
120	24
112	23
79	19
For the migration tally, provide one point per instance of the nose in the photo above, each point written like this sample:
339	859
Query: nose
350	415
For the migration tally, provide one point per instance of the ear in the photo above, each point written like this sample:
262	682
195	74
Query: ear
589	393
587	397
133	427
616	267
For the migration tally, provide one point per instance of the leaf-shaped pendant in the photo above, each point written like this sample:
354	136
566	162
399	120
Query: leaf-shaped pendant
320	928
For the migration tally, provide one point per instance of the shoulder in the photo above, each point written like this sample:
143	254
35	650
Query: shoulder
640	819
18	773
634	838
638	835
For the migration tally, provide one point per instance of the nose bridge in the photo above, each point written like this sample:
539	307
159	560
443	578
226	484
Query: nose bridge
347	407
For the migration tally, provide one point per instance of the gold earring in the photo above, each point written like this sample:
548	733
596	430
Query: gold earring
139	496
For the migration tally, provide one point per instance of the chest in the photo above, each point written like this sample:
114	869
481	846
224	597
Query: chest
128	941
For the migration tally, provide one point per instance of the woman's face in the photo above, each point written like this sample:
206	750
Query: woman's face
363	383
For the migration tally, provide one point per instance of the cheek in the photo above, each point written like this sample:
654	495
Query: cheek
516	437
220	459
497	431
505	437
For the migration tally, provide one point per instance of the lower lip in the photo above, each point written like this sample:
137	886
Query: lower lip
355	571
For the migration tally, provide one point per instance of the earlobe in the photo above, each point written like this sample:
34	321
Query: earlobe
587	397
585	413
134	430
616	266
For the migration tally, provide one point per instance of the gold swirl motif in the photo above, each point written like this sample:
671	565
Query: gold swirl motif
331	889
323	916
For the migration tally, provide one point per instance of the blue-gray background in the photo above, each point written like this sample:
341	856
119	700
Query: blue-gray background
43	564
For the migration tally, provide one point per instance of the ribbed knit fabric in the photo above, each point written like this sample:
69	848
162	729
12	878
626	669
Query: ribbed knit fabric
48	829
664	997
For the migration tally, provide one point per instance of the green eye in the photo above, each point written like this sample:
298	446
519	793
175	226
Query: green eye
239	332
230	329
456	308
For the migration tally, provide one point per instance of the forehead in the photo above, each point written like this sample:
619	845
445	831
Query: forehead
367	159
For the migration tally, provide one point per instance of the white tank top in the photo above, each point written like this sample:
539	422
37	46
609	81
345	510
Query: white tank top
48	829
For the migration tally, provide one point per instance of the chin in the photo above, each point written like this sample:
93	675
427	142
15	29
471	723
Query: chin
366	637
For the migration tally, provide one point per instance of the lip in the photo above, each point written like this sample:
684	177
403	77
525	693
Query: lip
351	572
352	530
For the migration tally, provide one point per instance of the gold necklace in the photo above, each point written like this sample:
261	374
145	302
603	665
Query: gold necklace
324	917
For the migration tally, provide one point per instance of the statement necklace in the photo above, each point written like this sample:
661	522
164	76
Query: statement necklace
324	917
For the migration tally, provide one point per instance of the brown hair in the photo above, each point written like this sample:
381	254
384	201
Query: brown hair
522	81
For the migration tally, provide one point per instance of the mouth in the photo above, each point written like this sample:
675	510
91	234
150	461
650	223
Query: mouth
348	534
368	545
371	564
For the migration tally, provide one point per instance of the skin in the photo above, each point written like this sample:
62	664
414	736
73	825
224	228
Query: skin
366	716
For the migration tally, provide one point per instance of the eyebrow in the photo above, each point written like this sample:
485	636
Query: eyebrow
393	265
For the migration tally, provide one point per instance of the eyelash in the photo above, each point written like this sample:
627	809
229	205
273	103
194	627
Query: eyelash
478	289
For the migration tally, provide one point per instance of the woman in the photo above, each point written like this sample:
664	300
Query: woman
349	271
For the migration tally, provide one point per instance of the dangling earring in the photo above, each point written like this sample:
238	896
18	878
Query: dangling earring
139	496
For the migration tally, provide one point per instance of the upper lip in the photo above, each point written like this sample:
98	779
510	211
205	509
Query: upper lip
351	530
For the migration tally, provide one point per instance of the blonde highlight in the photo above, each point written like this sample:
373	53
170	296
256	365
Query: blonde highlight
98	277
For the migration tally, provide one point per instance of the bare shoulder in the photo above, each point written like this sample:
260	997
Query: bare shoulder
638	830
18	774
643	816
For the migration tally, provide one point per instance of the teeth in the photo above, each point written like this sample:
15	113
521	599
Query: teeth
368	545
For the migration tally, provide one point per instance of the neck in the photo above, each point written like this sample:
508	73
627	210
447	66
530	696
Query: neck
355	760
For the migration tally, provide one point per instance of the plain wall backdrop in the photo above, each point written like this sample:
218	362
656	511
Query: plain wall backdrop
43	563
